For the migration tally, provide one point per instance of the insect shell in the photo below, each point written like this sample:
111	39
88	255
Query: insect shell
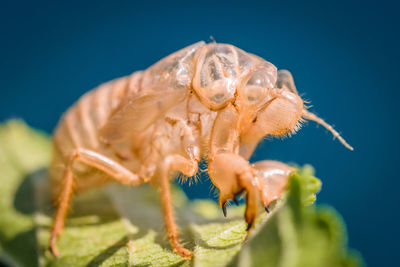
211	101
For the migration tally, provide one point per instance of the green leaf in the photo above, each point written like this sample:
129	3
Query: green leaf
22	151
120	226
299	234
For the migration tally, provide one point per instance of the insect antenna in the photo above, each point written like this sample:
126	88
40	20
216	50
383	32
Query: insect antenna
311	116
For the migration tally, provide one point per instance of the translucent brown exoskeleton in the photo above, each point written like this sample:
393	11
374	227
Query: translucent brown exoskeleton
207	101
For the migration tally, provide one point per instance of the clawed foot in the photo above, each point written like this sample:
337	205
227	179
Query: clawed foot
272	178
178	248
183	252
232	175
263	181
52	246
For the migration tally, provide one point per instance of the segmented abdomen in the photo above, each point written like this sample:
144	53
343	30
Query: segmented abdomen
78	128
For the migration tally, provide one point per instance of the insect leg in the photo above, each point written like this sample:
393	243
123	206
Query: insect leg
62	208
247	149
116	171
232	174
188	168
95	160
229	171
273	178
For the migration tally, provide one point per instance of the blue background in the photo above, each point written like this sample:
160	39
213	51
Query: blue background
343	55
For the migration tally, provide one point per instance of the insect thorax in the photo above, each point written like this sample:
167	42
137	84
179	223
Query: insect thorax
216	72
222	71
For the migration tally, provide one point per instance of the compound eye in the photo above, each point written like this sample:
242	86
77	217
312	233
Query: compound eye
216	74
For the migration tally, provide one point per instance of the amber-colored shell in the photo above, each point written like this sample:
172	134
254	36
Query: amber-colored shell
211	101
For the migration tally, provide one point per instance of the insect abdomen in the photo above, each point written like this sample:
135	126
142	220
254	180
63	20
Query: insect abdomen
79	126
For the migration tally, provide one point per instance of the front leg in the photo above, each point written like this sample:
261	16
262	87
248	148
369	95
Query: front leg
229	171
273	178
188	167
232	174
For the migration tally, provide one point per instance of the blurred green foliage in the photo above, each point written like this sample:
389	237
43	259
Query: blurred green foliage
121	226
